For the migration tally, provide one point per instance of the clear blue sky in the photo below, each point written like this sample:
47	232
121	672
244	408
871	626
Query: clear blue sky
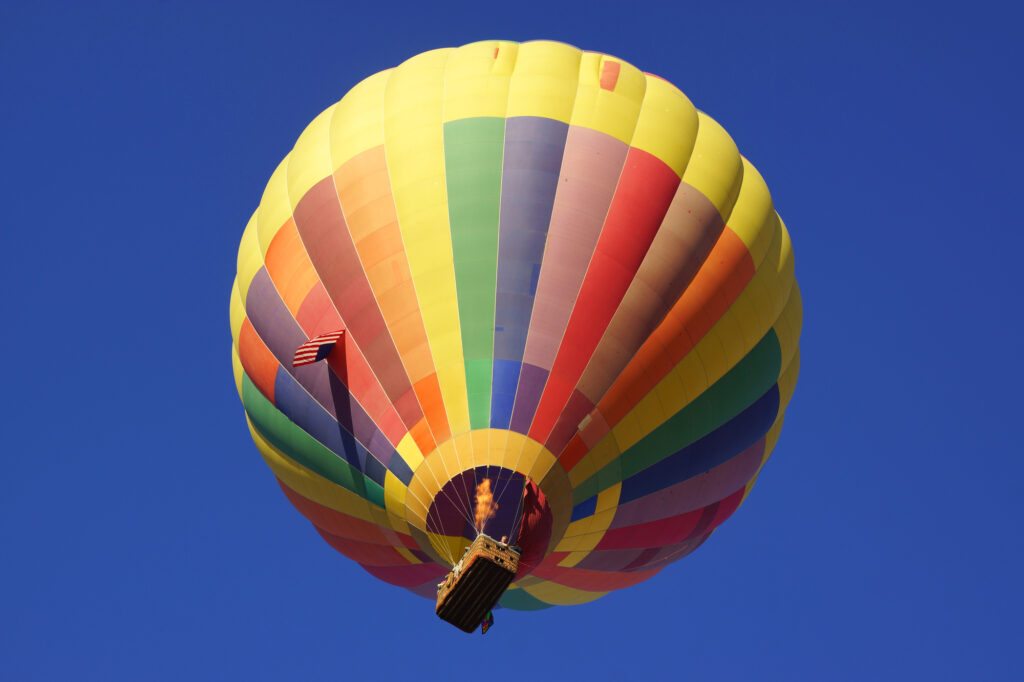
143	537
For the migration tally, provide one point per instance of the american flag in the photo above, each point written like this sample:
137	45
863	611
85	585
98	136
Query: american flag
317	348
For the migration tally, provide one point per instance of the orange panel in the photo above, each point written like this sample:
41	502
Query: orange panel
257	360
289	267
428	391
717	284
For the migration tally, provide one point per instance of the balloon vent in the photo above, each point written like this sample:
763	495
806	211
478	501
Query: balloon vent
476	583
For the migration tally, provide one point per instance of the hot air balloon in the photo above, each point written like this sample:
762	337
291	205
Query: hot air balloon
520	290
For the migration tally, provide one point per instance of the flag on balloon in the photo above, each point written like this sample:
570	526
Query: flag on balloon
316	349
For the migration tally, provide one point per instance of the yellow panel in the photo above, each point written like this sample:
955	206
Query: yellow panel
607	500
787	381
309	484
409	451
754	311
418	498
415	155
274	209
787	327
310	161
356	125
588	466
715	167
454	460
772	437
250	258
416	512
572	559
236	367
476	79
667	127
394	497
553	593
236	311
733	341
670	394
481	446
578	527
544	81
449	547
529	451
753	215
651	416
542	464
406	554
575	543
629	430
613	112
500	452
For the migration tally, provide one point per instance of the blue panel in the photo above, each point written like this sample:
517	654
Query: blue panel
375	471
584	509
400	469
720	445
296	404
505	380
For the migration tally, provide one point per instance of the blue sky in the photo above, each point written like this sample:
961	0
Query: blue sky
144	538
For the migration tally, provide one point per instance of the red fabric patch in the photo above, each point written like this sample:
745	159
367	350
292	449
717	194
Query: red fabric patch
535	529
610	75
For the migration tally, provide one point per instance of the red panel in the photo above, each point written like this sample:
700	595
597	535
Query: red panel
717	284
653	533
334	521
257	360
642	198
573	453
316	314
366	553
409	576
674	529
592	581
324	233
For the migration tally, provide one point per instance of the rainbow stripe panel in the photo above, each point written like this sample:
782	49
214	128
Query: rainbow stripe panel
554	273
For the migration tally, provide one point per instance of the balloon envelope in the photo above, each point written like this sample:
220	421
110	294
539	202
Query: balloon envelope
553	274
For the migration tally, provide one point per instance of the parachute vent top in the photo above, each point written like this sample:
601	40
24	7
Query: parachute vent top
476	582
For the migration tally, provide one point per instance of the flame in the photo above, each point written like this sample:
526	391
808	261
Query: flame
485	504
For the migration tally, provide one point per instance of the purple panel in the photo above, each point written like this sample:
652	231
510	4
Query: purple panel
609	559
531	385
427	589
282	335
591	167
532	161
693	493
663	556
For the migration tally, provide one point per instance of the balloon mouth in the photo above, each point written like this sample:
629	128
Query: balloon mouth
496	501
459	509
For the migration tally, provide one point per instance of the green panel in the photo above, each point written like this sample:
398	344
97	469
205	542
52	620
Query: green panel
521	601
303	448
473	149
741	386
